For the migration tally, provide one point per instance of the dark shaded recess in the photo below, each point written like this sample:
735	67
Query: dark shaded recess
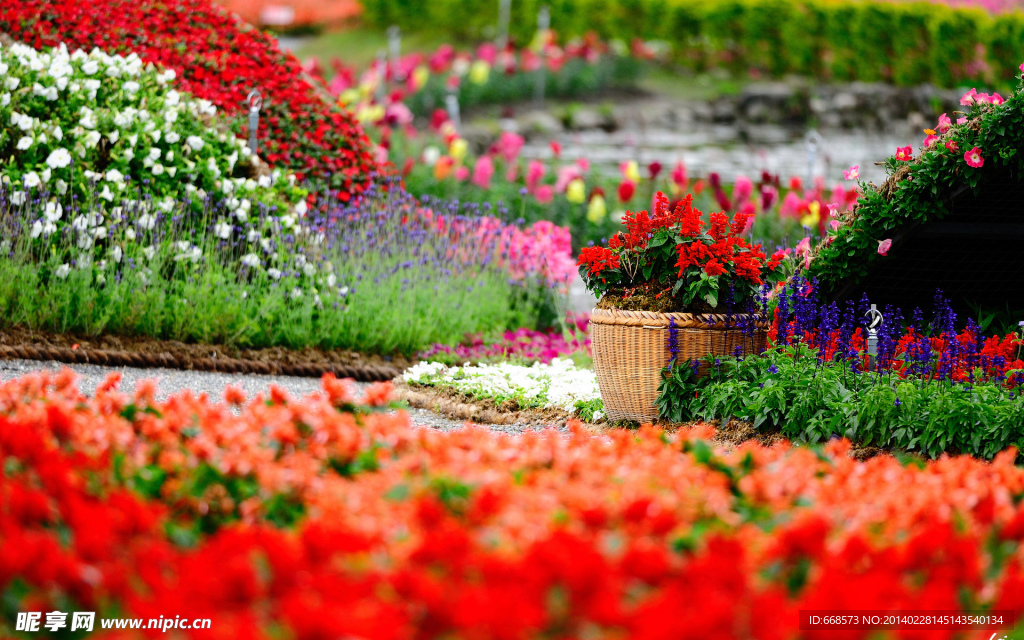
975	255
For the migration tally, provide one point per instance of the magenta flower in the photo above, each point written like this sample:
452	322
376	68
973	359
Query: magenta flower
1021	67
930	139
997	99
904	154
945	124
462	174
833	210
743	189
803	247
973	158
835	224
545	194
952	145
968	98
884	246
509	145
852	173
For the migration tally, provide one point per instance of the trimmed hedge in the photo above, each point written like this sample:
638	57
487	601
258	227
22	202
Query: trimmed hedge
902	43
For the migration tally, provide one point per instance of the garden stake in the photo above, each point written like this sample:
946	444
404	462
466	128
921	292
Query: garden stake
543	24
875	317
395	49
255	100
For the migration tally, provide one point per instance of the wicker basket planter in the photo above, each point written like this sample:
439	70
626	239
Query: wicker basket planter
630	348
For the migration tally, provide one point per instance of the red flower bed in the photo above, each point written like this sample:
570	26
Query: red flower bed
327	518
216	58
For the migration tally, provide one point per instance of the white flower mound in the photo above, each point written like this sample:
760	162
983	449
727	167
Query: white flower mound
559	384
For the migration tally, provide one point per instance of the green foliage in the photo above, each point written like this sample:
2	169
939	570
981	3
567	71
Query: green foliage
789	389
905	43
923	192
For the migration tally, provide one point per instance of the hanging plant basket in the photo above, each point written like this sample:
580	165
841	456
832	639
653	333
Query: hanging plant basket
630	349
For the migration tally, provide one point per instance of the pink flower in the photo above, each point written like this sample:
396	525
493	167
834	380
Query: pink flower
930	139
852	173
483	171
833	210
509	145
679	176
461	174
961	120
791	205
884	246
804	247
997	99
544	194
534	172
556	148
973	158
1021	67
982	98
566	175
835	224
807	261
748	209
904	154
952	145
583	164
744	187
945	124
968	98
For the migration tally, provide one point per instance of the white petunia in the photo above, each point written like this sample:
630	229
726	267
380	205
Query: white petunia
18	197
251	260
92	139
309	269
58	133
114	136
5	99
99	232
156	133
223	230
90	67
332	280
44	175
149	252
129	233
30	180
37	229
116	254
263	181
147	221
106	194
88	119
253	235
24	142
63	271
154	154
130	87
158	169
115	176
53	211
171	137
114	71
171	171
12	83
62	187
25	123
195	142
301	208
274	273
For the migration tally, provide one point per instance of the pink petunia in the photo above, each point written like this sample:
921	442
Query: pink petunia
884	246
853	173
835	224
952	145
833	210
982	98
961	120
904	154
1021	67
973	158
930	139
945	124
968	98
804	246
997	99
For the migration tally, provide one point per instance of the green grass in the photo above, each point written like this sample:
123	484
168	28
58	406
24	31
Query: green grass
667	83
358	46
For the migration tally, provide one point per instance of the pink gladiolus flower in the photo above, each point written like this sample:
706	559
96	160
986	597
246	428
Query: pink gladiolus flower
482	172
973	158
884	246
461	174
803	247
509	145
968	98
679	175
930	139
904	154
749	210
952	145
544	194
769	196
743	189
534	172
945	124
853	173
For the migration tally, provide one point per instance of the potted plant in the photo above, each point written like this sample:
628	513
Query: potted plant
672	287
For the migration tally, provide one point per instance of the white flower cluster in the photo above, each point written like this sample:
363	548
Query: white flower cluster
559	384
80	118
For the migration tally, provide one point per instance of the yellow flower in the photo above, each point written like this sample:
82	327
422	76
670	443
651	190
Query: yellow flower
576	192
597	210
814	217
420	75
479	71
631	171
368	114
348	96
457	149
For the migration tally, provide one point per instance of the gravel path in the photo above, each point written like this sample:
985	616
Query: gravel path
172	381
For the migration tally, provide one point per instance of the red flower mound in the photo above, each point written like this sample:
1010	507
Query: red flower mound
218	58
326	518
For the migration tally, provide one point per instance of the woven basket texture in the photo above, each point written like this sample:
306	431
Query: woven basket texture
630	349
